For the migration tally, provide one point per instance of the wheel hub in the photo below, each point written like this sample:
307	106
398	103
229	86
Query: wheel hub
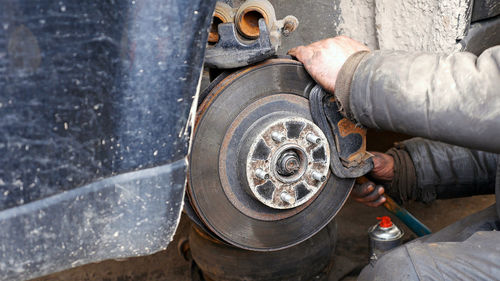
287	163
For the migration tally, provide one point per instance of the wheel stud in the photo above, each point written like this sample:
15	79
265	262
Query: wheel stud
278	137
261	174
312	138
287	198
318	176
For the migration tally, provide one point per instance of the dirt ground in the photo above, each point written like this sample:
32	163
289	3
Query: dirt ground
352	250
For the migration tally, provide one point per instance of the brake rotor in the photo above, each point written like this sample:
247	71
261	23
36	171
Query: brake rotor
259	176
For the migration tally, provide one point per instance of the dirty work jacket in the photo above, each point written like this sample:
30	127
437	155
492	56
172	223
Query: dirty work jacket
426	170
453	99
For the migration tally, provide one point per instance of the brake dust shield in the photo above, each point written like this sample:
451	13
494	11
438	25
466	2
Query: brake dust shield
259	176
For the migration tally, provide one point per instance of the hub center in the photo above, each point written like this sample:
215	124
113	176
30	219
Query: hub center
288	163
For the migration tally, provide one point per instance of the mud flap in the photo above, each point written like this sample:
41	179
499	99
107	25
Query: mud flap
94	104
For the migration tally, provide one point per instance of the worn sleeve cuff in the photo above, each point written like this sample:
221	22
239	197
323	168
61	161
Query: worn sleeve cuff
343	83
404	184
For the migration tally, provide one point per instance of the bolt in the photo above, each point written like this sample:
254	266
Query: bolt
277	137
318	176
290	24
313	138
261	174
287	198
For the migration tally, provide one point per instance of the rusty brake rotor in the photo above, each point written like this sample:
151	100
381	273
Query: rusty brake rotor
259	176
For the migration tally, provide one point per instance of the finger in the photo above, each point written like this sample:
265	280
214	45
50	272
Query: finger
304	55
374	195
361	190
293	51
377	202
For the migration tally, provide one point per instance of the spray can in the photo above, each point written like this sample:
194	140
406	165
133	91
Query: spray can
383	237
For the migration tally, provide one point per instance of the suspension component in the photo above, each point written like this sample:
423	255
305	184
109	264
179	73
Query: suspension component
247	36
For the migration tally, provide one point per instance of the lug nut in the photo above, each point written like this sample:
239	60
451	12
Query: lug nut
261	174
277	137
318	176
313	138
287	198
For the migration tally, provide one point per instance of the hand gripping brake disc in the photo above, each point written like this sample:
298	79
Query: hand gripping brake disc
259	175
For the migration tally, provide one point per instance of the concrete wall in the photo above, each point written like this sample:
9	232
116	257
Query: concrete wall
424	25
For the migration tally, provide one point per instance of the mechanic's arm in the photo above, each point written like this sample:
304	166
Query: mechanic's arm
451	98
441	171
424	170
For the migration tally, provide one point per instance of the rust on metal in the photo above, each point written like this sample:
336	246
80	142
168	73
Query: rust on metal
347	127
213	35
223	14
248	21
248	15
205	235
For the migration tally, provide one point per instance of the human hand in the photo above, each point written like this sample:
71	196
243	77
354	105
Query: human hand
323	59
372	194
383	166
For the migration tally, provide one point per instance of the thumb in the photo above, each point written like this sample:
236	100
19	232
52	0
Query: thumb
292	51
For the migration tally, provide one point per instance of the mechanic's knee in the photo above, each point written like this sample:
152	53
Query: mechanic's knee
394	265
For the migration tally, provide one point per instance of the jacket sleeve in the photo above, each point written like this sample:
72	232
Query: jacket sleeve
443	171
450	98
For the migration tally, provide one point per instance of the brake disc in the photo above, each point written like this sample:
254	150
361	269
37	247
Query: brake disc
259	176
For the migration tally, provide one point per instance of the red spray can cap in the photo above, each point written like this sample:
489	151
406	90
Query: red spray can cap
385	221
